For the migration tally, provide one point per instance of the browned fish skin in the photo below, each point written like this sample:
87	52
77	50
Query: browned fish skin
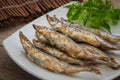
49	62
85	62
58	54
66	44
84	45
108	37
80	35
103	34
110	62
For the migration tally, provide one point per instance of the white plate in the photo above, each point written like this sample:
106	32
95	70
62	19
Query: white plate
15	51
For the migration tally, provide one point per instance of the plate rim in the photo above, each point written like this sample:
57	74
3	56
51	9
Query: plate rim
28	70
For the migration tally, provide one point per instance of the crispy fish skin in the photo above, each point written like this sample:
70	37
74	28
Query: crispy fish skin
55	52
80	35
84	45
110	62
84	62
103	34
66	44
54	64
49	62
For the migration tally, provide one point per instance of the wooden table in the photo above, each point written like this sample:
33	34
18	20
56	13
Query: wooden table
8	69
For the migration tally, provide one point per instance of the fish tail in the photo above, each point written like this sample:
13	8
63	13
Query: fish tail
112	63
77	70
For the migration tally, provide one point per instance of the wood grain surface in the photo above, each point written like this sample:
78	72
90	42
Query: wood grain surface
8	69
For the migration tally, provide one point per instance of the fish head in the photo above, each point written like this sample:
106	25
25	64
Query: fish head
25	41
42	29
53	21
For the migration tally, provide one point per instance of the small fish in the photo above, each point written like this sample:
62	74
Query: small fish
66	44
110	61
24	41
56	53
80	35
84	45
41	38
103	34
51	63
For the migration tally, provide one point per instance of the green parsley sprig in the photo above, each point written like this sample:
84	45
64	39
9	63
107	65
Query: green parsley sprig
94	14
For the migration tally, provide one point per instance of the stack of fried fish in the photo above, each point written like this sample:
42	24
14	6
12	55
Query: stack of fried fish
69	48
